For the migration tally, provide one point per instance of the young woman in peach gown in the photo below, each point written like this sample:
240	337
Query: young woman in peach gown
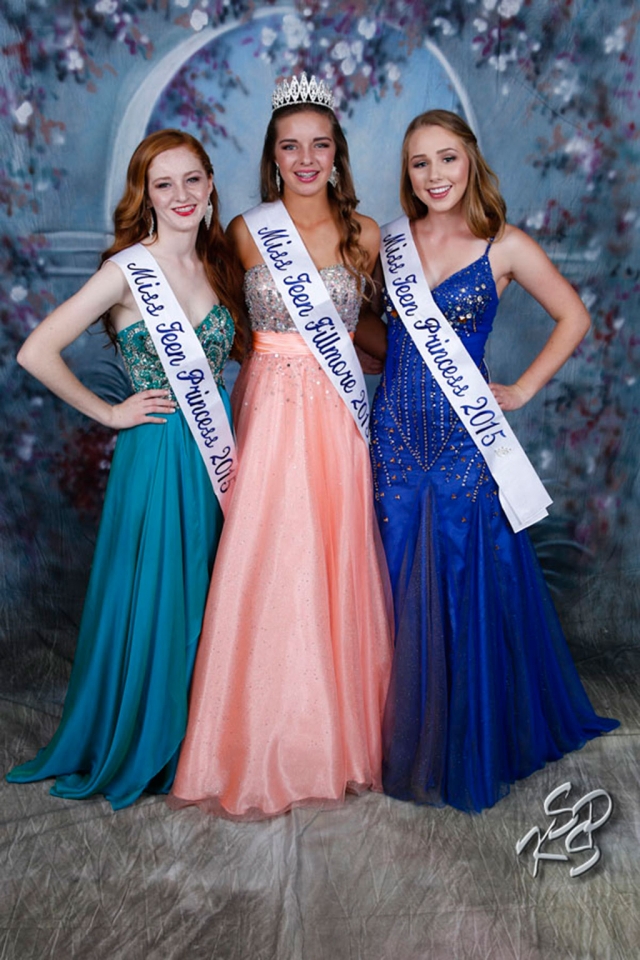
294	657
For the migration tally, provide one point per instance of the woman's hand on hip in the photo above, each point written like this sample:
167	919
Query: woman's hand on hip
509	397
140	408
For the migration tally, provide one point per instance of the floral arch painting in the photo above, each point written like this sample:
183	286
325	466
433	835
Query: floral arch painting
551	89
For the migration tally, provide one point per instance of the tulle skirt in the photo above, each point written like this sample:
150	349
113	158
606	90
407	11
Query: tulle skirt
484	690
125	712
294	658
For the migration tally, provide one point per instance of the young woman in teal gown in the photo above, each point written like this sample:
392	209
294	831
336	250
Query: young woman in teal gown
294	658
125	711
483	689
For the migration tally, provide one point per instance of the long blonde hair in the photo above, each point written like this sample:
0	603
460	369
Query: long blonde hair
483	205
131	221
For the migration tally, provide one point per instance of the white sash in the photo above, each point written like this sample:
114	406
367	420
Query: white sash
185	365
522	495
309	304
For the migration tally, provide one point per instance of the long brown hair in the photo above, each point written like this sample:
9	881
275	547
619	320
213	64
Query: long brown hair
131	223
483	205
342	197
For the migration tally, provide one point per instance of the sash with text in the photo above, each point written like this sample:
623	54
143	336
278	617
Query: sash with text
186	366
522	494
309	304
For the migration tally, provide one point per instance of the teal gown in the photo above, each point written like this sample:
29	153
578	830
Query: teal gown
125	713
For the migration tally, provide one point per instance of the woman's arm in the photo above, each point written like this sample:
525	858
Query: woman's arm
371	332
41	352
518	257
243	243
371	338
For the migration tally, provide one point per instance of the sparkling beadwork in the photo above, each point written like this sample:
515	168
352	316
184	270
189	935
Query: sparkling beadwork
268	312
142	362
407	441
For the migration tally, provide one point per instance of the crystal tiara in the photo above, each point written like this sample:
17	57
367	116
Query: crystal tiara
295	91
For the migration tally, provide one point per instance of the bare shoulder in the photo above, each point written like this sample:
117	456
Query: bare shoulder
111	277
370	231
515	252
237	233
369	235
236	227
517	256
515	243
242	242
107	288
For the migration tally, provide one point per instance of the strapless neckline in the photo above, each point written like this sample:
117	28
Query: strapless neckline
268	311
332	266
140	323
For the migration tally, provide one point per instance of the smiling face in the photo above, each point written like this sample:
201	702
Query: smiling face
178	188
438	168
304	150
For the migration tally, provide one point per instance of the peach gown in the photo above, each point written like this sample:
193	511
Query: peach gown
294	658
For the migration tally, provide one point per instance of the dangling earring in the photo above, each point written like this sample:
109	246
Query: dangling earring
278	180
208	214
334	177
151	222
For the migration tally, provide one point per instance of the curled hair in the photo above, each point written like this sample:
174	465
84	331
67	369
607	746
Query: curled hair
131	224
342	197
483	205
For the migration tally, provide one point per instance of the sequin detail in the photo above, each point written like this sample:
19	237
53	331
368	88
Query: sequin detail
268	312
141	359
421	430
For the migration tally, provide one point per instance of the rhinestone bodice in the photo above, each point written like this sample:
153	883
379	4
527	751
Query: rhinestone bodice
143	364
469	301
414	427
267	311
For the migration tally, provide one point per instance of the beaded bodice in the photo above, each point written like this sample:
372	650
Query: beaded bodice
143	364
414	426
469	301
267	311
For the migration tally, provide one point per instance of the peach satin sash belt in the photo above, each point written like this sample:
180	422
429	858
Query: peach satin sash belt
285	344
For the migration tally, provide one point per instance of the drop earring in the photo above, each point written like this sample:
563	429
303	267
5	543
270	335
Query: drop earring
278	180
334	177
151	222
208	214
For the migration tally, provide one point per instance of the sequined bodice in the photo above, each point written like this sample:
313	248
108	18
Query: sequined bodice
469	301
145	370
414	427
267	311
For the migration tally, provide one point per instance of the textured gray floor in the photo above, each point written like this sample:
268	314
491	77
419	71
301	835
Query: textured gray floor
374	880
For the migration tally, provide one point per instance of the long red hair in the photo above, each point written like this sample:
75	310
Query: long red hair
132	219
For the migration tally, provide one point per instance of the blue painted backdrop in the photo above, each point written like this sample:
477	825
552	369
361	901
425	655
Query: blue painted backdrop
551	89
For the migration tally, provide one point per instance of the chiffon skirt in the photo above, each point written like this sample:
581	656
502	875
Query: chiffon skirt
294	658
125	712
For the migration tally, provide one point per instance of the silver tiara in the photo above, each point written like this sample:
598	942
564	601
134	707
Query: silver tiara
302	91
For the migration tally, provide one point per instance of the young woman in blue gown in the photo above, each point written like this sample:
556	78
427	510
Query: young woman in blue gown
126	707
483	689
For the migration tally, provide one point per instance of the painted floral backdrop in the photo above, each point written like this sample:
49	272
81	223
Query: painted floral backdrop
551	87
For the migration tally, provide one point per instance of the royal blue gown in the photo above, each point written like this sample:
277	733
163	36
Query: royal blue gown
483	689
125	712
